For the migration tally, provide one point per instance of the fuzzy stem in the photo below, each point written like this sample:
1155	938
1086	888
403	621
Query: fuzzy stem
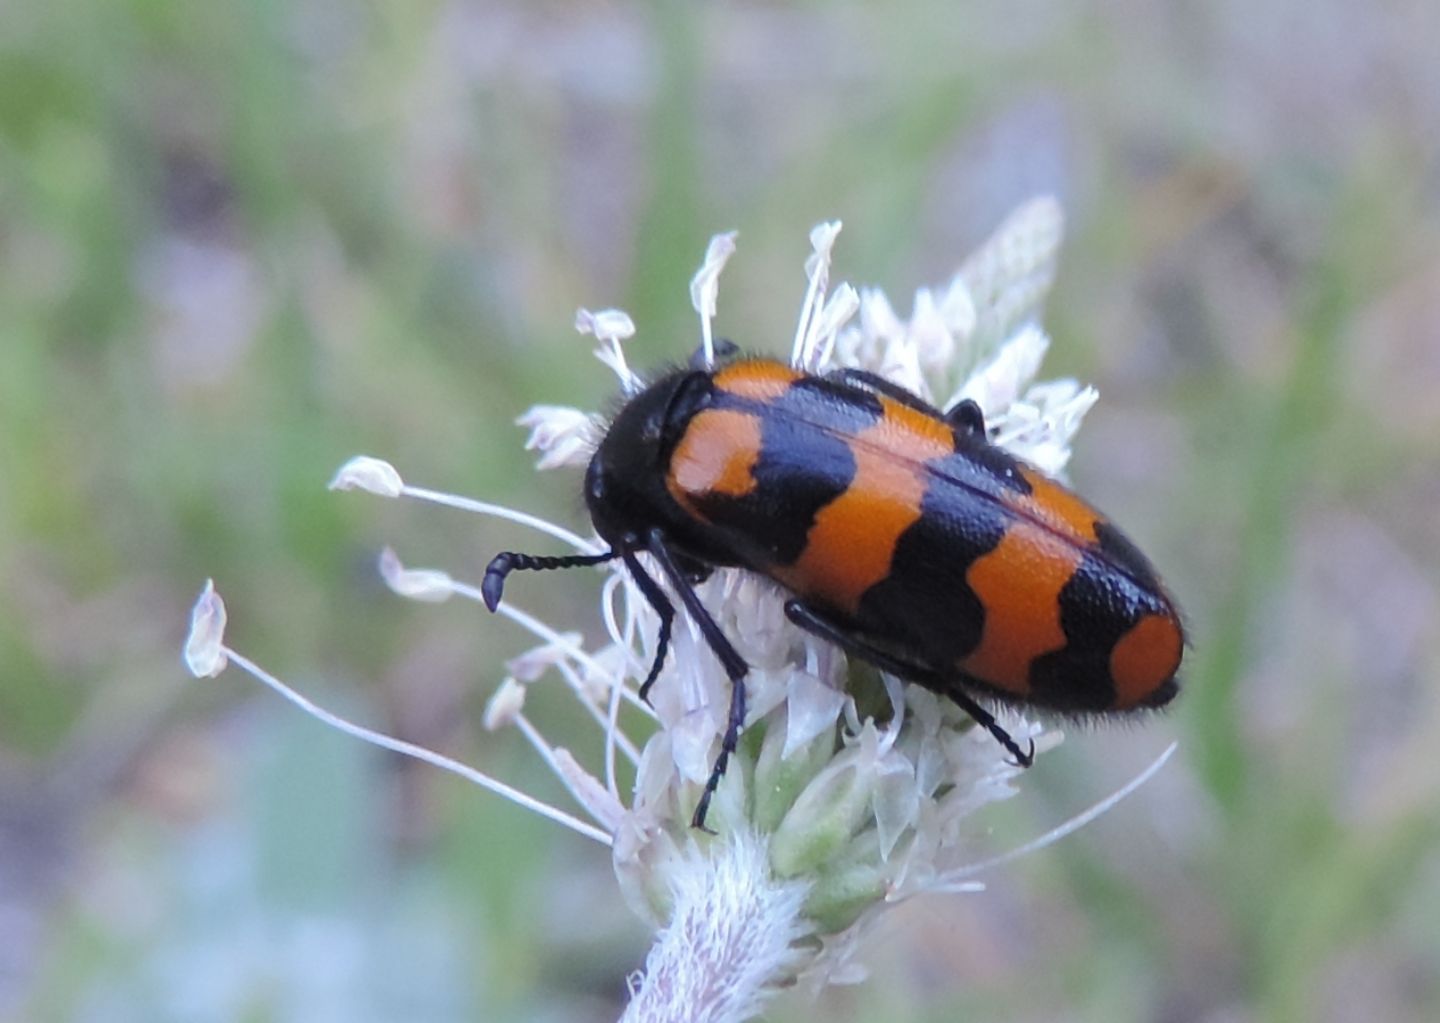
730	941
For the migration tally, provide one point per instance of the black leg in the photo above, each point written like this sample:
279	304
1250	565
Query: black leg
867	381
728	742
814	622
966	417
493	585
730	659
655	596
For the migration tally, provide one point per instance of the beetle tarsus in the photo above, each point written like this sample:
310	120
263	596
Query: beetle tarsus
728	742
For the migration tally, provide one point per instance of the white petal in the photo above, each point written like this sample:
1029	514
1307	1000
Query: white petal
656	774
957	308
1040	427
896	801
691	740
899	362
205	654
877	317
817	272
999	382
607	324
839	308
614	358
814	707
504	706
822	241
533	663
589	790
369	474
929	332
603	671
426	584
705	285
565	436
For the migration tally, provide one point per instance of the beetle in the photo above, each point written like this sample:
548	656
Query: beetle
899	532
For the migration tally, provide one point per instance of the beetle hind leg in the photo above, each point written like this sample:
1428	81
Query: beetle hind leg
828	629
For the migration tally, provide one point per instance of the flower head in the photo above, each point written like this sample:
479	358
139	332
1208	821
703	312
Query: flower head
850	791
861	789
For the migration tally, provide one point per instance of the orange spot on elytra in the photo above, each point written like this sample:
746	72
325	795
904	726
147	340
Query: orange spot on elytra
908	434
851	544
758	379
716	455
1053	506
1019	584
1146	657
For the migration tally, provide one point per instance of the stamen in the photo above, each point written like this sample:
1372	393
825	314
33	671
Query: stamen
837	311
705	286
571	776
613	736
610	327
409	749
509	514
817	270
536	626
1069	827
377	476
373	475
564	436
424	584
204	643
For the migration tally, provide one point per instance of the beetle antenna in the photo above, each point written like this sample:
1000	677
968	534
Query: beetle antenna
503	564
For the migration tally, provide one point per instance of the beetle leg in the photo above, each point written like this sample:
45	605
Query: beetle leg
818	624
967	417
493	585
656	598
730	659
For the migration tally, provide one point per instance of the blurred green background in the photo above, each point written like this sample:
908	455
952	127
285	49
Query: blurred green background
241	241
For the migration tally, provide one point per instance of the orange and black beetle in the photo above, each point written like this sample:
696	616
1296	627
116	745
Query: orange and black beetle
904	536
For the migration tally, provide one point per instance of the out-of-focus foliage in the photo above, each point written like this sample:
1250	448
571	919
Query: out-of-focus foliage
241	241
